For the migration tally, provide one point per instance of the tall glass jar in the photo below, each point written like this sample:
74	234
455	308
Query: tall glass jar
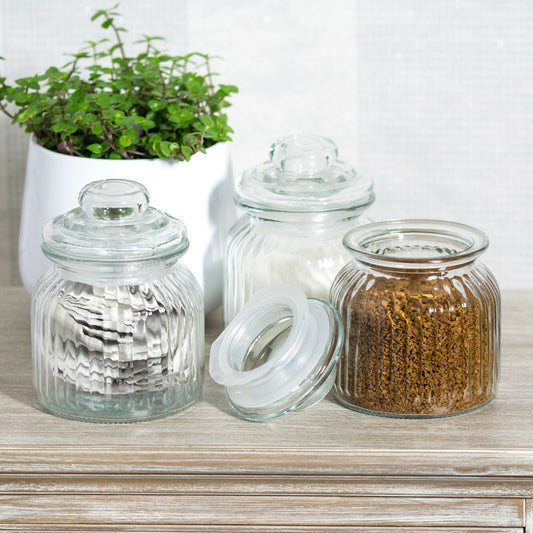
117	322
298	206
421	318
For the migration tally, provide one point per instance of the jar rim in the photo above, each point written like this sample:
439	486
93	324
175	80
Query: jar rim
296	214
415	243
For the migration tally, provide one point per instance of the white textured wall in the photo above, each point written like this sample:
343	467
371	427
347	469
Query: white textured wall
433	98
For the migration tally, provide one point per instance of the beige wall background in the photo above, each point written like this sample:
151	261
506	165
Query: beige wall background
433	99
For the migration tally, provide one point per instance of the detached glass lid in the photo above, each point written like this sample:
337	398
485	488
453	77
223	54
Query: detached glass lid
278	354
114	224
303	175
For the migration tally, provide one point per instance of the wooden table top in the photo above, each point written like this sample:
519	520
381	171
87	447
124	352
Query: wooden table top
326	439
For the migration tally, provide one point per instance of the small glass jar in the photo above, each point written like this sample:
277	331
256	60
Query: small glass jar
117	321
421	317
298	207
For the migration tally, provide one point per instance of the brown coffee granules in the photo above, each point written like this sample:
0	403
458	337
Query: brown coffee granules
418	343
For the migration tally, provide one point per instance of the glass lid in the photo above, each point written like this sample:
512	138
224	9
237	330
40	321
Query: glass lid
278	354
114	224
303	175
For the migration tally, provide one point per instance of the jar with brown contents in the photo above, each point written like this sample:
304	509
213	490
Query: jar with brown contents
421	317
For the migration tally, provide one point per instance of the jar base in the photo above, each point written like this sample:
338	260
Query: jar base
408	415
120	408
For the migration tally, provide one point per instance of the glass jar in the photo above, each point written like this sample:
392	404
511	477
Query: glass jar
298	207
117	321
421	317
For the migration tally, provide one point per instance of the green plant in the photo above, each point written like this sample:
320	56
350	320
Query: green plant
145	106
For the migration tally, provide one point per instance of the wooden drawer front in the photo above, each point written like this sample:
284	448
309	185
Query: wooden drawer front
261	510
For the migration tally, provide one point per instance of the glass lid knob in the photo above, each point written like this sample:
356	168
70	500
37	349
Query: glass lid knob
303	154
113	199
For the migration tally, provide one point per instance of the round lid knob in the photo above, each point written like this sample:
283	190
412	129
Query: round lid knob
112	199
303	154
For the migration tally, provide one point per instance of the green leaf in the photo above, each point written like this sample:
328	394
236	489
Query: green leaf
77	96
229	88
186	116
173	108
165	148
97	129
157	105
103	100
52	72
72	128
123	84
131	133
124	141
107	23
60	126
95	148
207	120
23	117
198	126
21	98
175	119
186	151
98	14
114	155
113	48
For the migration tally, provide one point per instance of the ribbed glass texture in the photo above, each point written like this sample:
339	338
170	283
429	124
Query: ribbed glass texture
260	253
117	353
419	342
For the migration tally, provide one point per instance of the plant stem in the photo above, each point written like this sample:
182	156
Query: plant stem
72	70
119	40
6	112
162	81
60	102
209	76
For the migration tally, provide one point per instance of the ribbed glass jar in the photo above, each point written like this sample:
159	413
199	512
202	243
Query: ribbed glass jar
117	321
421	317
263	252
298	206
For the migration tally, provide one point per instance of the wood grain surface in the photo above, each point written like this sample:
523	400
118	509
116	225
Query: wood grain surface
268	510
323	469
327	439
235	528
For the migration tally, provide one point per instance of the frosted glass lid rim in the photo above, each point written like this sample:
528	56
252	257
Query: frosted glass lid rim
416	243
303	175
114	224
289	376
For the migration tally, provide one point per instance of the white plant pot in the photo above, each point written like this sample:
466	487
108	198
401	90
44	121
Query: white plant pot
198	192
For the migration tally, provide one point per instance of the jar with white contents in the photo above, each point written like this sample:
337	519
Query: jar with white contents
298	206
